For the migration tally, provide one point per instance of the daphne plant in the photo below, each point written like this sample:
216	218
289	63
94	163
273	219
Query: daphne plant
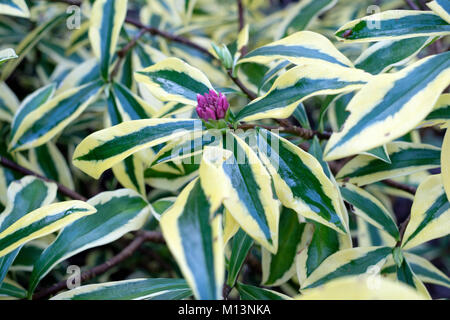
275	165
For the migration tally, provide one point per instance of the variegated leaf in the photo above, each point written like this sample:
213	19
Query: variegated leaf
136	289
8	103
406	158
41	222
106	22
384	55
280	267
301	83
174	80
300	182
347	262
302	47
426	271
300	15
394	24
370	209
105	148
240	246
239	177
24	196
194	235
362	288
322	242
38	123
7	54
389	106
249	292
16	8
118	212
430	213
442	8
29	42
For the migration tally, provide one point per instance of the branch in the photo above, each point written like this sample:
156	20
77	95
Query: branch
26	172
142	237
241	19
400	186
298	131
189	43
412	4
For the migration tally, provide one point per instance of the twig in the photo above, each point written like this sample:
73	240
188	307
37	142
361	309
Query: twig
18	168
121	54
412	4
402	229
241	19
189	43
169	36
298	131
142	236
401	186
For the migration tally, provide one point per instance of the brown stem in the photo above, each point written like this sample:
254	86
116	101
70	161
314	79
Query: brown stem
187	42
26	172
142	236
412	4
168	36
400	186
241	19
121	54
298	131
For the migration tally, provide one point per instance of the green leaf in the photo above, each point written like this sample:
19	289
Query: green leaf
323	242
41	222
442	8
29	42
107	17
239	178
40	118
240	246
301	116
174	80
347	262
194	236
7	54
407	276
8	103
391	106
300	48
394	24
248	292
16	8
105	148
8	289
362	288
280	267
302	14
118	212
425	271
23	196
299	84
384	55
300	182
136	289
430	213
370	209
406	158
440	113
379	153
51	163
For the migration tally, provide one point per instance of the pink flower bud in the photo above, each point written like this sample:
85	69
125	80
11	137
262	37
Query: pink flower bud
212	106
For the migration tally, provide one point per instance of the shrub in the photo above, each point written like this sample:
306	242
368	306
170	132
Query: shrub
224	149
